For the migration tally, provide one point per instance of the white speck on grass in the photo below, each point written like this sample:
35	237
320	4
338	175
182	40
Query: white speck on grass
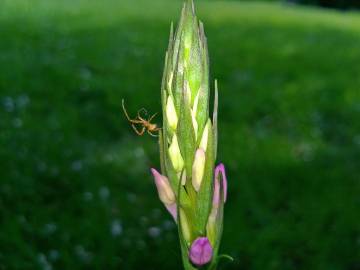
77	165
44	263
8	104
116	228
154	232
104	192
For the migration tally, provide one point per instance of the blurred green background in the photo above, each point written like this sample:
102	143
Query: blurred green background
75	186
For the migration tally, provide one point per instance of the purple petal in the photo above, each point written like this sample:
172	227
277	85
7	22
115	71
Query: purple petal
201	251
221	169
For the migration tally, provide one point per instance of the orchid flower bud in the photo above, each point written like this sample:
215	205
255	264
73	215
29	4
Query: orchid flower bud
175	155
198	169
220	170
171	113
213	217
201	251
165	192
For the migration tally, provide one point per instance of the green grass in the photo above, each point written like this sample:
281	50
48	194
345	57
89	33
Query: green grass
75	187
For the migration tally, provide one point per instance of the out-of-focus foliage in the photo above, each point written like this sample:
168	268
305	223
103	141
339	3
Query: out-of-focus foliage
75	186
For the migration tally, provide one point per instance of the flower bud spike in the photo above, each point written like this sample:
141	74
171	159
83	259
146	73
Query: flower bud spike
201	251
175	155
198	169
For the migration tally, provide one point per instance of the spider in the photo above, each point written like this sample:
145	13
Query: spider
146	124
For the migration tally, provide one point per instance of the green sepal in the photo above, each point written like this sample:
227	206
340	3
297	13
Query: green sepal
162	154
178	80
177	38
216	261
186	134
194	70
204	196
203	104
188	28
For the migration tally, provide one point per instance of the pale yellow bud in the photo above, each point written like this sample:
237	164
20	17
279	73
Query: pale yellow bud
205	136
171	113
198	168
175	155
185	228
183	178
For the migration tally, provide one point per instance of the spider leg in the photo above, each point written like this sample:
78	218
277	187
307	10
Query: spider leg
141	132
152	117
141	110
151	134
127	116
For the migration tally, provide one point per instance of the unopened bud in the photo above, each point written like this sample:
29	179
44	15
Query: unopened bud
171	113
221	175
201	251
175	155
198	168
165	192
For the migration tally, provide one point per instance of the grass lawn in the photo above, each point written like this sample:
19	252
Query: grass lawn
75	186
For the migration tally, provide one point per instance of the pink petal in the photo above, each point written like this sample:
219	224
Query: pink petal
201	251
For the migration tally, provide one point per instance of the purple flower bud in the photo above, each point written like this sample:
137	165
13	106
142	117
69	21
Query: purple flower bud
220	169
165	192
201	251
